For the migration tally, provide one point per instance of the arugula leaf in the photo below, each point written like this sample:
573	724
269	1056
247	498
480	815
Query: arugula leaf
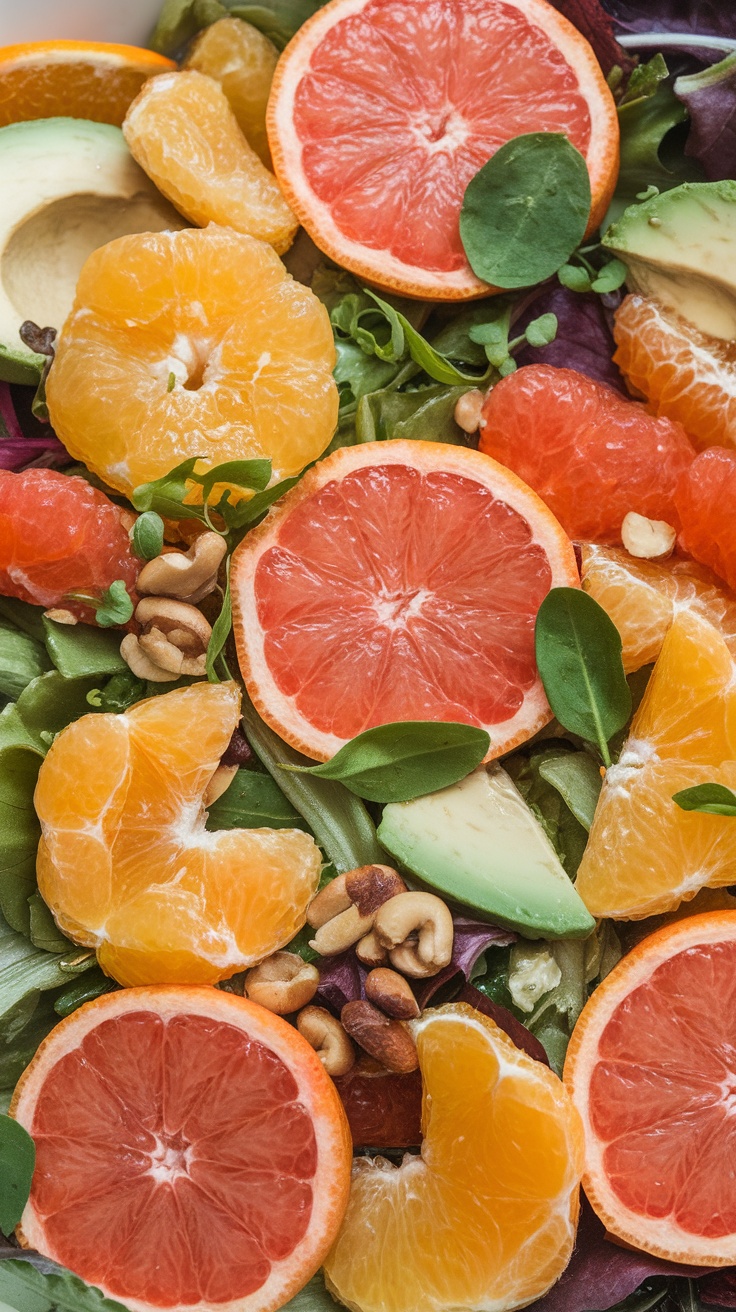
56	1291
17	1160
168	495
22	659
220	630
397	762
526	210
436	365
712	799
254	801
578	649
564	830
148	535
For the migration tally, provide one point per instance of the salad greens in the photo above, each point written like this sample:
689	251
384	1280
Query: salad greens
713	799
17	1160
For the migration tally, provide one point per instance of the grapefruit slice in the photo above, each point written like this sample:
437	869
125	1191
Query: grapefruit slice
398	581
652	1070
191	1151
381	112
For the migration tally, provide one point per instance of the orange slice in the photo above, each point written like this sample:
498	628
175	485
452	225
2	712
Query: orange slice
190	1151
399	580
381	113
242	60
125	862
650	1068
73	79
486	1216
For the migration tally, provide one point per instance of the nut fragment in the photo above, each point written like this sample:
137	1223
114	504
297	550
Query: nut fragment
61	616
141	664
340	933
326	1035
175	635
420	915
389	1041
343	911
329	902
370	951
647	539
392	994
467	410
188	575
282	983
219	783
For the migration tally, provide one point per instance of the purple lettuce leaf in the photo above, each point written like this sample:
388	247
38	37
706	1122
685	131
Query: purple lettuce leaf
18	451
710	97
706	17
590	18
506	1021
472	937
341	980
584	338
718	1288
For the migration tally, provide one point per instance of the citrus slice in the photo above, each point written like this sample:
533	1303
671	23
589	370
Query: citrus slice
242	60
125	862
190	1151
191	344
486	1216
73	79
382	111
182	131
706	504
399	580
645	854
683	373
642	598
651	1070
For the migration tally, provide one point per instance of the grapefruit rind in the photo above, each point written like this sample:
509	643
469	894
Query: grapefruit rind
331	1183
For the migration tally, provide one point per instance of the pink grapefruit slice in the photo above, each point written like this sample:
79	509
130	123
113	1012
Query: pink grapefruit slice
398	581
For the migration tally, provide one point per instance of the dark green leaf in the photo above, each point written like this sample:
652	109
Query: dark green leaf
23	616
575	278
91	985
427	357
397	762
578	651
17	1160
312	1298
565	832
251	474
356	373
44	932
19	835
254	801
427	415
526	210
713	799
116	606
220	630
165	495
27	970
148	535
247	513
62	1291
79	650
542	331
22	658
578	780
120	692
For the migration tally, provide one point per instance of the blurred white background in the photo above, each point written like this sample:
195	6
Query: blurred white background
92	20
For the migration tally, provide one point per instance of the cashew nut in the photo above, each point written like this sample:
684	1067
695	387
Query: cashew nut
370	951
187	575
328	1038
61	616
141	664
389	1041
468	409
282	983
647	539
343	911
423	915
391	993
219	783
329	902
175	635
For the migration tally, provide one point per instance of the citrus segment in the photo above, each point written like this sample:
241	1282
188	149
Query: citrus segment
590	454
399	580
182	131
383	110
73	79
683	373
192	344
190	1151
706	504
642	598
497	1180
645	854
651	1070
242	60
125	862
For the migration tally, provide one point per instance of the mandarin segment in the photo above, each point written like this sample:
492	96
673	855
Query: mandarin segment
243	61
184	134
125	862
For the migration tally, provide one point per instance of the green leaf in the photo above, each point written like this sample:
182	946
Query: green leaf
116	606
221	630
397	762
22	659
23	616
575	278
19	835
556	1015
713	799
254	475
91	985
564	830
118	694
427	357
578	780
610	277
427	415
312	1298
44	932
165	495
26	970
254	801
79	650
578	650
16	1297
526	210
356	373
148	535
61	1291
17	1160
247	514
542	331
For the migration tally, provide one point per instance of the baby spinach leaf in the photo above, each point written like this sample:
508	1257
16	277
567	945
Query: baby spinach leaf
44	932
19	835
148	535
526	210
22	659
17	1160
80	650
712	799
578	650
397	762
92	985
57	1291
254	801
577	779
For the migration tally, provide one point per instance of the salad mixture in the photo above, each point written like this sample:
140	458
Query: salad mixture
367	642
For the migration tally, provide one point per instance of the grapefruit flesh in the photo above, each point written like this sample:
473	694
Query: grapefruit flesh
399	581
190	1151
651	1069
382	111
706	503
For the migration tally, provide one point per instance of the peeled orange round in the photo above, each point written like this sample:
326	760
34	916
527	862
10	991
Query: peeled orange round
73	79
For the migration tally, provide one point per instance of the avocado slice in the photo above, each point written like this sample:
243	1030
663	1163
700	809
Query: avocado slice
680	249
478	843
68	186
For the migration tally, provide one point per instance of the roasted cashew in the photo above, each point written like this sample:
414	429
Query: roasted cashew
326	1035
187	575
175	635
370	951
141	664
343	912
282	983
416	914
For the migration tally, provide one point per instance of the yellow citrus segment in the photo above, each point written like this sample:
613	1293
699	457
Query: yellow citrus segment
125	862
182	131
486	1216
73	79
645	854
242	60
192	343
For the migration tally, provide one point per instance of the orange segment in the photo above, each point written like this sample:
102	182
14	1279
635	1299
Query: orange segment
203	1114
125	862
182	131
486	1216
645	855
192	344
242	60
651	1070
643	596
73	79
683	373
381	113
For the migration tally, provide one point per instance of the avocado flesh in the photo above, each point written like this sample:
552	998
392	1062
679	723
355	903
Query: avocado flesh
680	249
68	186
478	843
